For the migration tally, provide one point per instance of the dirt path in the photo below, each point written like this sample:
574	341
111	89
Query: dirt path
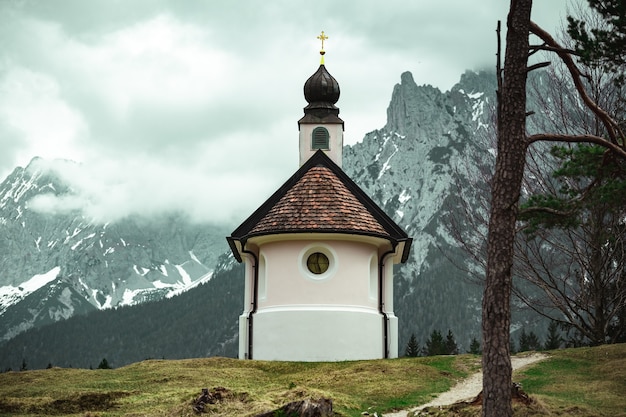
470	387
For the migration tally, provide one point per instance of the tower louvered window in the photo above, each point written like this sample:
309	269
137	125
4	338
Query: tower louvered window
320	138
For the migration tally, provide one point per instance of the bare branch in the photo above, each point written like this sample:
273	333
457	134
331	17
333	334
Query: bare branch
544	47
614	132
538	65
545	210
598	140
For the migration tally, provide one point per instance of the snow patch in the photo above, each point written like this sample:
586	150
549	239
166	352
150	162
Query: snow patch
387	163
39	280
75	245
204	278
108	302
404	196
128	297
10	295
141	272
193	256
186	278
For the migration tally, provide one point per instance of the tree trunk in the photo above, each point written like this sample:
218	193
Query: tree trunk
505	191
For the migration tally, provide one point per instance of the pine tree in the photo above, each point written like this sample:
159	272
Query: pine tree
24	366
606	46
451	346
528	341
104	364
474	347
533	341
412	348
554	339
435	345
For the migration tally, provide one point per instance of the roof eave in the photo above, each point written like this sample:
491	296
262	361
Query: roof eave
320	158
235	247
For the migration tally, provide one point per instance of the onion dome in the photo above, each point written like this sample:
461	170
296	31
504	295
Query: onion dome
321	89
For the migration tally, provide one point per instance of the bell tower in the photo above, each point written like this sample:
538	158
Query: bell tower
321	127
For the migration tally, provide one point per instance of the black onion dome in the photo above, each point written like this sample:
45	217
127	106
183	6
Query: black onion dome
321	90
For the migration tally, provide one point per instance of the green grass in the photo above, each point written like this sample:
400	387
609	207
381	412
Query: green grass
583	381
577	382
167	388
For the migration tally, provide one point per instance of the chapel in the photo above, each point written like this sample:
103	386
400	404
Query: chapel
319	254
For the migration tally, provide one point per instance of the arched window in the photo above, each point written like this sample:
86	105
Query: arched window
320	138
262	289
373	277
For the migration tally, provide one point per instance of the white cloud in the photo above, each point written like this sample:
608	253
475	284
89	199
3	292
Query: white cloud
198	184
192	106
32	107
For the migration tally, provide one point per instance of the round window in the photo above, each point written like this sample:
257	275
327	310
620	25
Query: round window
317	263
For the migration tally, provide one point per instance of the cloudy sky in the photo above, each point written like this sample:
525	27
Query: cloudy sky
193	105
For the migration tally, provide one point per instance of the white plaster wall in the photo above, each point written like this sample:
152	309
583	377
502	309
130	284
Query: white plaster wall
335	153
304	317
318	333
290	283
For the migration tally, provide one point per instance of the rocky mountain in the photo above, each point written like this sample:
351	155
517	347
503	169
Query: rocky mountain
428	167
56	266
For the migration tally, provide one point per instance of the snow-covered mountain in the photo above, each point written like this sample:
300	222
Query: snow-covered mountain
56	265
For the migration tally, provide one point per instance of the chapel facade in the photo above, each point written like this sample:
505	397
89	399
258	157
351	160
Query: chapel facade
319	254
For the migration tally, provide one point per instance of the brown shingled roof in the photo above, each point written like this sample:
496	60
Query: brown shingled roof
321	198
319	201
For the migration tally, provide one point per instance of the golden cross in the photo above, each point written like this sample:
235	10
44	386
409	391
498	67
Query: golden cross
322	37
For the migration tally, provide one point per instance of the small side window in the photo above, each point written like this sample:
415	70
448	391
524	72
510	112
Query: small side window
320	138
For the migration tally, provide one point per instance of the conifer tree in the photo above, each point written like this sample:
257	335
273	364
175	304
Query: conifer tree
104	364
605	46
474	347
523	341
435	345
533	341
528	341
451	346
412	348
554	339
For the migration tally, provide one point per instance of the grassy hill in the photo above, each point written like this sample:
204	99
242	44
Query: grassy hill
573	382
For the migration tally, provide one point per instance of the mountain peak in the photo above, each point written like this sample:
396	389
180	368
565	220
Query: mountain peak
406	78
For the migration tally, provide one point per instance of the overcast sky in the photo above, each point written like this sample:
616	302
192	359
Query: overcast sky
193	105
